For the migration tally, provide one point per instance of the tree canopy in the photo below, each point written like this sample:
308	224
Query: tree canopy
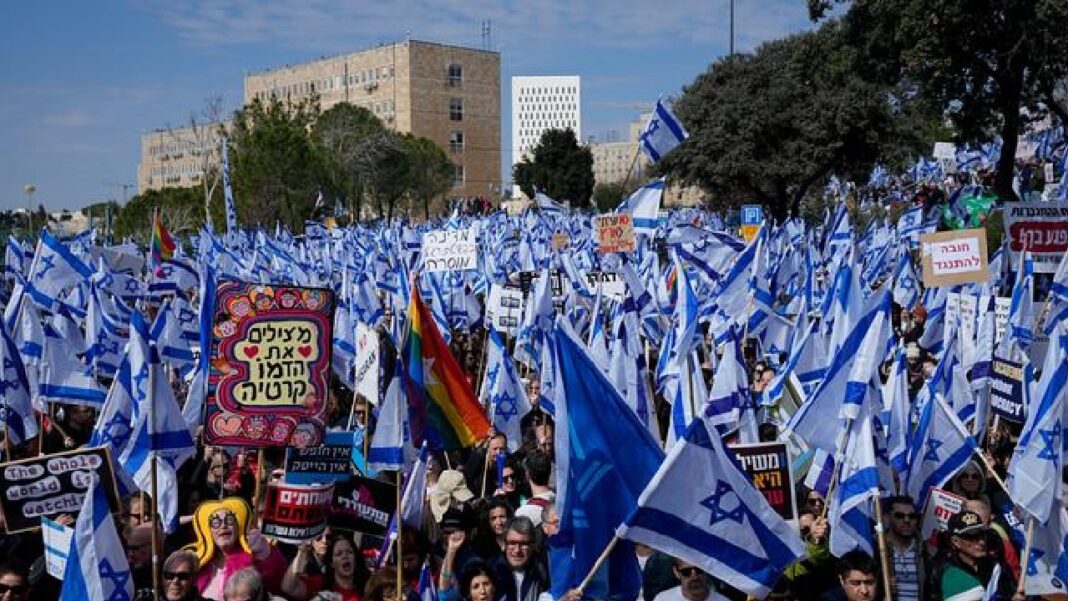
559	167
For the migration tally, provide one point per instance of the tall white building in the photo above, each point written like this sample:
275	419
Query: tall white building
540	103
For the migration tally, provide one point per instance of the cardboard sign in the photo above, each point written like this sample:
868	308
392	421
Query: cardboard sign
768	466
1006	390
1040	227
941	506
328	462
450	250
57	539
367	360
294	513
363	505
270	365
561	241
951	258
614	233
504	308
51	485
611	283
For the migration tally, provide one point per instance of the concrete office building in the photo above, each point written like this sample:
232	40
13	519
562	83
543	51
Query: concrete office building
540	103
449	94
177	157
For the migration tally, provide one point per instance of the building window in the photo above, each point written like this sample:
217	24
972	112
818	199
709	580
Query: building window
457	175
454	74
456	109
456	141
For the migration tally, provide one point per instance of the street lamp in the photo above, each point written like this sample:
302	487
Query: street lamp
29	189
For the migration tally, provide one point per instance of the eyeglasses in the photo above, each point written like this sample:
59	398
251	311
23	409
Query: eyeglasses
522	544
689	572
217	522
906	516
814	501
972	537
508	478
17	589
180	576
969	476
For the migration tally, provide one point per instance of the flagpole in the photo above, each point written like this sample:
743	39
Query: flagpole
633	162
1026	558
154	486
597	564
400	542
880	532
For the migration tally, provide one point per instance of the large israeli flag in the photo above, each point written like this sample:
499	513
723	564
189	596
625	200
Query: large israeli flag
96	566
662	134
644	207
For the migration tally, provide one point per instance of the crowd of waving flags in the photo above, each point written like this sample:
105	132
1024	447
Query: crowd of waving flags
78	316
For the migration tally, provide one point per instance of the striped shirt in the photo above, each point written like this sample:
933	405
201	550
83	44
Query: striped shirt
907	571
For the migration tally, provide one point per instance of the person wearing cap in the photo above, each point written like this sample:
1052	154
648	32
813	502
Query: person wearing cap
539	469
450	490
458	553
968	567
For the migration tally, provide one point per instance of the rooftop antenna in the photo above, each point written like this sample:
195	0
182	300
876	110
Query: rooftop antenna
487	34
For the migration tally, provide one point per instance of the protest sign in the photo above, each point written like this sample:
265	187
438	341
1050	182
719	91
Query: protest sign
363	505
946	155
1040	227
57	539
955	257
561	241
768	466
51	485
366	378
1002	305
295	513
614	233
504	308
450	250
611	283
330	461
961	314
1006	389
941	506
270	365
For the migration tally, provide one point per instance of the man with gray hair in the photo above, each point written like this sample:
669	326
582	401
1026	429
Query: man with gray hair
245	585
521	574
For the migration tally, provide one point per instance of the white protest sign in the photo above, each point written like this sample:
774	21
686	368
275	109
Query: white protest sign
952	313
956	257
941	506
611	283
1002	304
450	250
57	539
504	308
367	362
946	154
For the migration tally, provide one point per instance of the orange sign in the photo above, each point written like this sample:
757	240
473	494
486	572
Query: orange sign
615	233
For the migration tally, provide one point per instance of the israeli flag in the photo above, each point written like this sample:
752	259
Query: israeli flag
502	388
939	448
906	286
20	422
662	134
96	565
701	507
55	269
391	446
228	193
858	484
644	207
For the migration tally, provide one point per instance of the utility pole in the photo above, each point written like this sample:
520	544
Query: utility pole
125	188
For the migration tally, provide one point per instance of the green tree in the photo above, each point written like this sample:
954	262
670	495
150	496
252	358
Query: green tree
560	168
276	168
989	64
770	126
608	195
352	141
182	211
429	174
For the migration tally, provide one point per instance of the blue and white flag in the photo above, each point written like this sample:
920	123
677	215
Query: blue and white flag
17	419
858	484
228	192
1020	332
63	378
427	589
1058	294
548	205
505	393
729	404
938	449
97	569
662	133
702	508
55	269
906	286
644	207
391	446
1035	471
414	492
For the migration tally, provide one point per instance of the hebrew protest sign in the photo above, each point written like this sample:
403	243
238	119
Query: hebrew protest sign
367	362
611	284
504	308
450	250
1040	227
768	466
614	233
561	241
51	485
363	505
941	506
330	461
270	365
294	513
955	257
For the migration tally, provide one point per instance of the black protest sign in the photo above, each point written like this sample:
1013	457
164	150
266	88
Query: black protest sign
768	467
1006	390
328	462
363	505
294	513
52	485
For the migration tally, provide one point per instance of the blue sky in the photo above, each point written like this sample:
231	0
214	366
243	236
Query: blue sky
83	80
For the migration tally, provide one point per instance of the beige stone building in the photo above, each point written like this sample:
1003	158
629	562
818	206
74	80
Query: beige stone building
449	94
178	157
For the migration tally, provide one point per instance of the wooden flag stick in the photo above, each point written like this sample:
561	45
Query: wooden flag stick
400	542
1025	559
884	552
597	564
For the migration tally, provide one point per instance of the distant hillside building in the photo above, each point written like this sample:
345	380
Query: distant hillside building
449	94
540	103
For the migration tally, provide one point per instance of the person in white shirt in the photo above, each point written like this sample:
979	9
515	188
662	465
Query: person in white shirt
694	585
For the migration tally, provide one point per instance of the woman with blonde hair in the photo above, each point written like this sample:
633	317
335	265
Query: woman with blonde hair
225	545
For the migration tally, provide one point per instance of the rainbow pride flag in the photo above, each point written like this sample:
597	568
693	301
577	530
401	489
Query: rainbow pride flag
442	407
162	243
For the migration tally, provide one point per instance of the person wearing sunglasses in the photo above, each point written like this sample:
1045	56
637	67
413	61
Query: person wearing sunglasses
694	585
14	583
970	482
176	582
968	568
906	553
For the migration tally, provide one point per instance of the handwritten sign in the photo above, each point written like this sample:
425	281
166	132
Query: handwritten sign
1006	390
561	241
270	365
504	308
327	462
614	233
294	513
957	257
611	284
1040	227
941	506
367	362
450	250
768	466
51	485
363	505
